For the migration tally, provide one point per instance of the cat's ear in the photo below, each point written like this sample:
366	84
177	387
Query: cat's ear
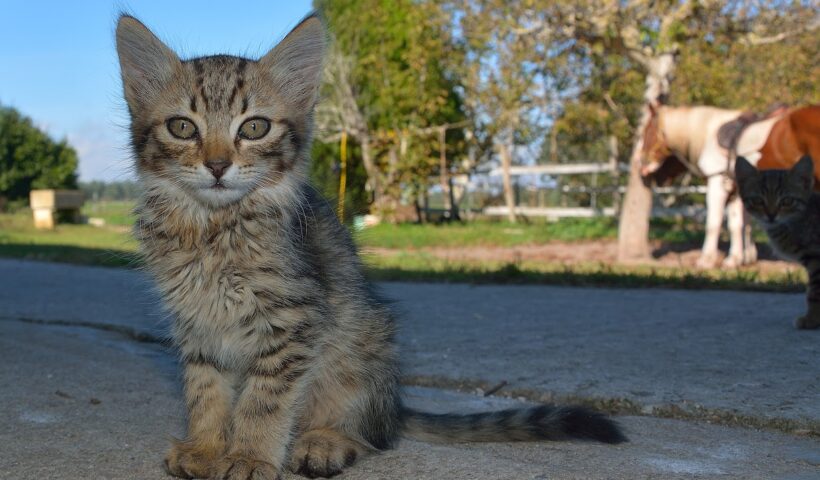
803	172
296	63
145	62
744	170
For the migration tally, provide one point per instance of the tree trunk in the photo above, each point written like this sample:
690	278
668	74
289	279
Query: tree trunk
444	173
505	152
633	228
372	184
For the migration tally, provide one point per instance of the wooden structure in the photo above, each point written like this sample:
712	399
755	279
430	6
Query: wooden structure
48	205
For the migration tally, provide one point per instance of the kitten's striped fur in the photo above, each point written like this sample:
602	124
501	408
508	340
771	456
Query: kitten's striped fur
784	203
288	353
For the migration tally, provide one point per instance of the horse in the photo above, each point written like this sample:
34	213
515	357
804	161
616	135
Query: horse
678	139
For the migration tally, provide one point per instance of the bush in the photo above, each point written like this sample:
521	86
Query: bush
30	159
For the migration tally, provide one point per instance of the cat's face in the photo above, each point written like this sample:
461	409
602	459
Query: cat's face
217	128
775	197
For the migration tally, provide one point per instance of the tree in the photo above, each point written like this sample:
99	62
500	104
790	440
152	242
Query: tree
386	86
30	159
505	76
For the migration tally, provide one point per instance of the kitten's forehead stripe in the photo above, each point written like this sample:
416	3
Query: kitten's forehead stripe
220	79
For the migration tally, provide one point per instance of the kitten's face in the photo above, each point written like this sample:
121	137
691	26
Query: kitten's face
217	128
775	197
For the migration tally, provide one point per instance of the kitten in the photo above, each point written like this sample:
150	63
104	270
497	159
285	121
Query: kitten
288	354
784	203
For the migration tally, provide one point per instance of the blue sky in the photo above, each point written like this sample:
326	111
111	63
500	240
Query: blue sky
58	64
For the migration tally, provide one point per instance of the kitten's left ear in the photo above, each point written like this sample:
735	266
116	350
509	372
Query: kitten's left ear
296	63
744	170
803	172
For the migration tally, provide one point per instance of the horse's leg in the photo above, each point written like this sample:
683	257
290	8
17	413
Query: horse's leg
737	248
716	197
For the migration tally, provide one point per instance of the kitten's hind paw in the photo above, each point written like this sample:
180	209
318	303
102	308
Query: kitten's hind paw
236	467
807	322
323	453
191	460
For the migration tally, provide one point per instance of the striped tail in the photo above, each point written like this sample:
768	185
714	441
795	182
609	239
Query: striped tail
543	422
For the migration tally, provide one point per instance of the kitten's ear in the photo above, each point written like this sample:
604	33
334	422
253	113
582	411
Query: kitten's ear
803	172
744	170
296	63
145	62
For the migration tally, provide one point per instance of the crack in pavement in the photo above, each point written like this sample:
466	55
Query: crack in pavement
130	333
611	405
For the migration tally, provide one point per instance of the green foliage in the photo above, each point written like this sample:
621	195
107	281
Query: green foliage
325	173
30	159
731	74
400	53
400	48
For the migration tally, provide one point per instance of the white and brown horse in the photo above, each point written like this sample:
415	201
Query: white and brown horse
678	139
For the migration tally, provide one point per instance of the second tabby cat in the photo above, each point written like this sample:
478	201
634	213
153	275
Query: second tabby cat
784	203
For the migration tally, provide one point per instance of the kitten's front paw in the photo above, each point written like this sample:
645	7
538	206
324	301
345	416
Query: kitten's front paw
191	460
323	453
807	322
237	467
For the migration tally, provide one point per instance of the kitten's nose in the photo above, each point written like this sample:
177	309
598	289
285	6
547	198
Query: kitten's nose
217	167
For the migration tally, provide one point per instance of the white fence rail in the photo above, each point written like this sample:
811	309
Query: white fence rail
594	190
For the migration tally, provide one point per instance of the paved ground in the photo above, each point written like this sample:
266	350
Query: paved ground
82	402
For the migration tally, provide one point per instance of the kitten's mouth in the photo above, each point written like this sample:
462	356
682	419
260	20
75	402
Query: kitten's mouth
218	186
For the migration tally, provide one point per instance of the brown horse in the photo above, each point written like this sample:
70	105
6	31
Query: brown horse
685	139
794	135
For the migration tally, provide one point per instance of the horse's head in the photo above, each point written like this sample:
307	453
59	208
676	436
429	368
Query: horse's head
656	153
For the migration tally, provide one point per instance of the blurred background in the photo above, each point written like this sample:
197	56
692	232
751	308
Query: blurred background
472	141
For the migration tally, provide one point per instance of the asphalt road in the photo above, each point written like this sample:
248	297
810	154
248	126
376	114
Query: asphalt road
89	393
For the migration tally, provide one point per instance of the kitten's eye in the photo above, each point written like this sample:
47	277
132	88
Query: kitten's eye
254	128
755	202
182	128
787	202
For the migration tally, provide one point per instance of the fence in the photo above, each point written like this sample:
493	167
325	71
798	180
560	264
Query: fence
594	189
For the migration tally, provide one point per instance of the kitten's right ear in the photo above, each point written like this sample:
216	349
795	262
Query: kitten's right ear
744	170
145	62
803	172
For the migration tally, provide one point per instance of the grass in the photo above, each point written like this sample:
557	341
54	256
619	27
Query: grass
113	212
421	267
113	246
82	244
503	234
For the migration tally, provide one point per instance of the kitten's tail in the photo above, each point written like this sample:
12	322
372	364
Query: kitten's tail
543	422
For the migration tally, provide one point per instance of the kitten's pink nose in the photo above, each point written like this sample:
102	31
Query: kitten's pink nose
217	167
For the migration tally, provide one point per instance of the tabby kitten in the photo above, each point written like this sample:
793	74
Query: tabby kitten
288	354
783	202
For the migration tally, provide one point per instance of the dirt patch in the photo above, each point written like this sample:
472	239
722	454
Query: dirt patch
592	251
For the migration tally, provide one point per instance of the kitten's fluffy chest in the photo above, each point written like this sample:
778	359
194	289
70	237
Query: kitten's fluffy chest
221	276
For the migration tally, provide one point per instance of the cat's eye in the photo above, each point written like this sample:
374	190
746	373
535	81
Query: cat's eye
182	128
755	202
787	202
254	128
